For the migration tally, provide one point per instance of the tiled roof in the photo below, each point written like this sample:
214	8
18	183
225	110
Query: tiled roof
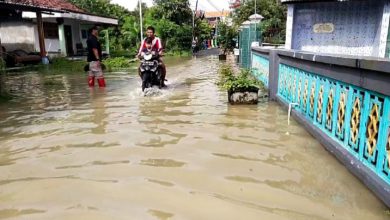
50	4
216	14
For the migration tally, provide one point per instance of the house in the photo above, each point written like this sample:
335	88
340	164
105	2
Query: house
214	16
54	27
235	4
358	28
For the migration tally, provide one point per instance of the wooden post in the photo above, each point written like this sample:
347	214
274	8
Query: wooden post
41	34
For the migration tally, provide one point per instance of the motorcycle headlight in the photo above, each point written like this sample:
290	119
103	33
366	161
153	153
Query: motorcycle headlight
148	56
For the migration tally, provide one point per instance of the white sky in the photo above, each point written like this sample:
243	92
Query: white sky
206	5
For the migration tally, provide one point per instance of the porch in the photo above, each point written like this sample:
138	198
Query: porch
66	34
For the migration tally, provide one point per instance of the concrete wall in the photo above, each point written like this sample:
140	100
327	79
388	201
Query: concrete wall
357	27
53	45
24	35
17	35
388	44
84	27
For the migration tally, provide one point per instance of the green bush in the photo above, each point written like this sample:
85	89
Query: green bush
226	37
178	53
62	63
2	64
123	53
231	81
117	63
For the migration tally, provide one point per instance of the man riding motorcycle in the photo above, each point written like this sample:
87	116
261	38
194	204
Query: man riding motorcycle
156	45
150	68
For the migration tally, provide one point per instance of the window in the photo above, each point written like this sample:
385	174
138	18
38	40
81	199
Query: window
51	30
84	34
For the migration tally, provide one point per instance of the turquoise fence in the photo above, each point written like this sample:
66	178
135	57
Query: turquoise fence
260	68
358	119
248	34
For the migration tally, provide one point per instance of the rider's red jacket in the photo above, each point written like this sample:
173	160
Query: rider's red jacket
156	45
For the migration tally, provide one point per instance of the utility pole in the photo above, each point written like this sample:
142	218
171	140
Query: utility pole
140	20
193	20
255	23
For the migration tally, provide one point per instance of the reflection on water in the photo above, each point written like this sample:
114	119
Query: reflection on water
71	152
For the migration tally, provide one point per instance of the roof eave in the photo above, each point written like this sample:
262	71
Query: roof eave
25	7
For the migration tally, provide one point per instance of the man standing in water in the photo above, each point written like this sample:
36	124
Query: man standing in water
94	59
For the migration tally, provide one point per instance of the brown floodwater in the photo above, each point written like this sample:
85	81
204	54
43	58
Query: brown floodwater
71	152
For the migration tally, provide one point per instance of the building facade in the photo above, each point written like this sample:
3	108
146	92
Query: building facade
359	28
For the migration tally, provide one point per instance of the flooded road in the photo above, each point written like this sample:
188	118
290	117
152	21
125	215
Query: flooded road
70	152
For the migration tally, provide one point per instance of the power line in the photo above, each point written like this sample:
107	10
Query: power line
212	4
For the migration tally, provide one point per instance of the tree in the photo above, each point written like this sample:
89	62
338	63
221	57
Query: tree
177	11
273	25
172	19
202	30
126	35
226	36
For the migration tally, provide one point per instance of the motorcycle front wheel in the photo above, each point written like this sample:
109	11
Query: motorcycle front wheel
145	81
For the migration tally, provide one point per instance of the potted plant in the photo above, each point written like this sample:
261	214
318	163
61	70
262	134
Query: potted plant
227	34
242	88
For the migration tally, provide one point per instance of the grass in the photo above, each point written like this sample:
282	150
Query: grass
67	65
61	65
118	63
2	64
178	53
123	53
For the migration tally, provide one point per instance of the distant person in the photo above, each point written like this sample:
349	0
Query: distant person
195	47
95	58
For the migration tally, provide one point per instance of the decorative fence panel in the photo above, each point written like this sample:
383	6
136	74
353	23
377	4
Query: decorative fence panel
358	119
260	68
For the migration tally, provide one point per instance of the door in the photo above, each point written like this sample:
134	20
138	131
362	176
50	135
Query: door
68	40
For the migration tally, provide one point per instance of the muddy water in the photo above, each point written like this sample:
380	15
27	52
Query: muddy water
70	152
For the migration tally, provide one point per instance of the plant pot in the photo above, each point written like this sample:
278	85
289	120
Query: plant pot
243	96
222	56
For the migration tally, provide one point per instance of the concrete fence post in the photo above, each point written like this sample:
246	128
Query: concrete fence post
273	74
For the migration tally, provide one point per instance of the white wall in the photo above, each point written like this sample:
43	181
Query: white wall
85	27
51	45
75	32
17	35
356	27
24	35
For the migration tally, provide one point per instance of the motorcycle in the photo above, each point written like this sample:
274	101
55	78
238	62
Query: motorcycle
151	71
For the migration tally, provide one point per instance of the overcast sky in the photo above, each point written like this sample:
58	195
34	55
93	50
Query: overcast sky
206	5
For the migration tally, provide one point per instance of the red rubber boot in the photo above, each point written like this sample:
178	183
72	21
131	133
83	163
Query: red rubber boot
91	81
101	82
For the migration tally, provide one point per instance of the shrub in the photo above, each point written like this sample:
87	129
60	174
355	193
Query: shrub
231	81
123	53
2	64
117	63
63	64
